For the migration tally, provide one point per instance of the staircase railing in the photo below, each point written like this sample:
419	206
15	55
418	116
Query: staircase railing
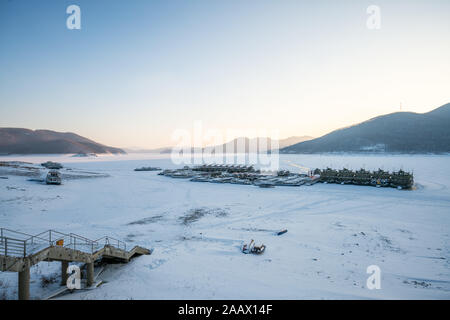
106	240
16	243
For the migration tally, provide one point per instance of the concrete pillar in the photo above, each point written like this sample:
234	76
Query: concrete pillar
24	283
64	276
90	274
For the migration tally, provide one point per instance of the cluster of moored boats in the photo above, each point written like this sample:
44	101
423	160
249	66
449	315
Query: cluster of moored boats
238	174
380	178
248	175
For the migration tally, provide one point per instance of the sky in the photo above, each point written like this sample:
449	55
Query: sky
138	71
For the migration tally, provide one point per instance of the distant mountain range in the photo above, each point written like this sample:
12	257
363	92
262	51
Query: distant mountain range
25	141
262	145
140	150
400	132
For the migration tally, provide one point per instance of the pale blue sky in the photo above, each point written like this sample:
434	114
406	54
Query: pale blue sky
138	70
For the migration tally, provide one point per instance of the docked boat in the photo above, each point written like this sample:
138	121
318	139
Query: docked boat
265	185
53	177
182	175
148	169
199	179
52	165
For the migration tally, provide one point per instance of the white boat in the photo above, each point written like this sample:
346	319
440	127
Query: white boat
53	177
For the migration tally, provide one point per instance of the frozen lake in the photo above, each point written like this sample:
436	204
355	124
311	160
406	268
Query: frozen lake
334	231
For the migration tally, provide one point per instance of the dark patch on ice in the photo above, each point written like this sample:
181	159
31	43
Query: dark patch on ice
36	180
148	220
15	188
361	233
4	286
429	283
24	198
47	280
255	229
339	224
416	284
387	244
155	264
132	236
196	214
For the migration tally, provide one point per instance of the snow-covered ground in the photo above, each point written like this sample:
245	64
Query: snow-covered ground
334	231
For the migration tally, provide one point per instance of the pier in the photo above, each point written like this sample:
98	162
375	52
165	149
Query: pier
19	251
